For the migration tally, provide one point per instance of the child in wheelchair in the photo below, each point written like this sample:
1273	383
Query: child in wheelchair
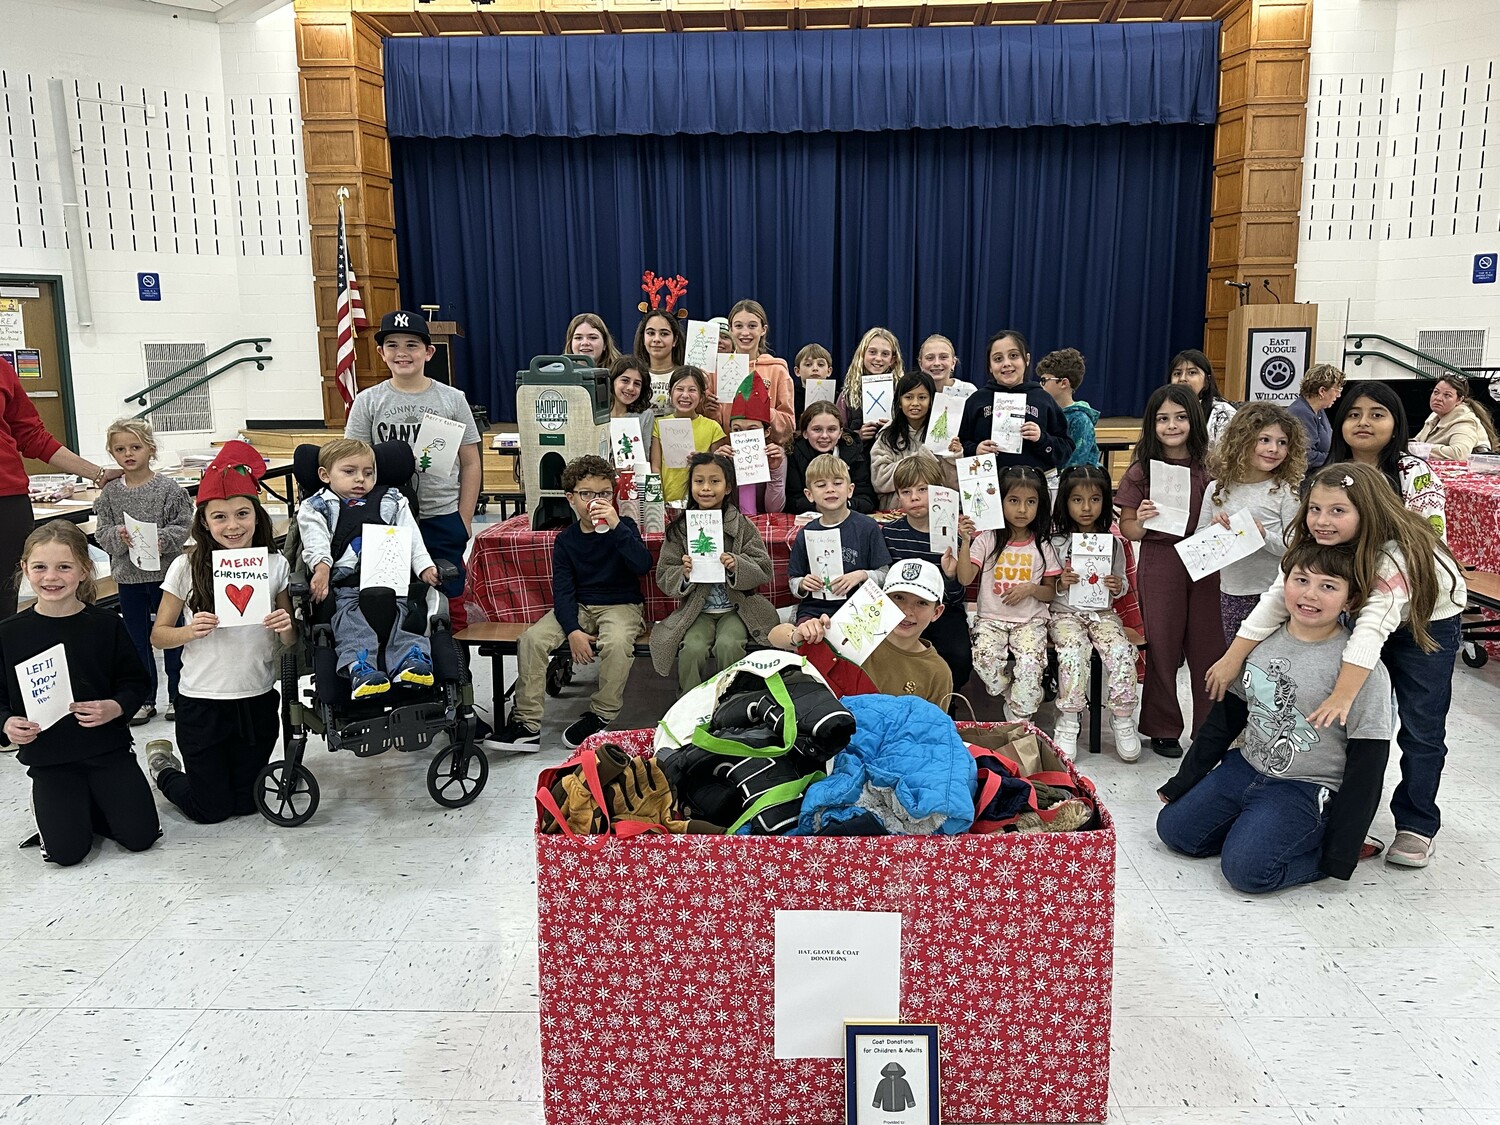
330	524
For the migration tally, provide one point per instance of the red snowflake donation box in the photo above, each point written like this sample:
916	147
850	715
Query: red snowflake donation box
656	970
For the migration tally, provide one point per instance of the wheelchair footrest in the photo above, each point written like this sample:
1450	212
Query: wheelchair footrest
402	728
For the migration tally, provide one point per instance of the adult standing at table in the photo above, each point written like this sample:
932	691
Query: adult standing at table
22	435
1457	425
1321	387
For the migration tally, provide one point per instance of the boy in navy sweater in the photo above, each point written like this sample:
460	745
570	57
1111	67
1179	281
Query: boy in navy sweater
597	607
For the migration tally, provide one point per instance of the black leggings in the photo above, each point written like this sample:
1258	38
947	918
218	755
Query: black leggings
225	743
108	794
16	522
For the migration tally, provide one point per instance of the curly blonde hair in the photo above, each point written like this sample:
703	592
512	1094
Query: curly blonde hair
1230	461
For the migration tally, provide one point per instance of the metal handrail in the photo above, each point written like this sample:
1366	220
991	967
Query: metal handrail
140	396
260	362
1359	352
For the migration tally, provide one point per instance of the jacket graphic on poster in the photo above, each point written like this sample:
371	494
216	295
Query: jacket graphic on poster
894	1095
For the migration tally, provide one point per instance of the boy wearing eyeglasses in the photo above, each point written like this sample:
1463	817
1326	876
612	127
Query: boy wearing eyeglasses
1061	374
597	607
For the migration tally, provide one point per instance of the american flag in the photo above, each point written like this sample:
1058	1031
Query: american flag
351	317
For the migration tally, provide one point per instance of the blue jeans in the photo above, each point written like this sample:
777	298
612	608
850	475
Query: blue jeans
1268	831
1423	683
138	602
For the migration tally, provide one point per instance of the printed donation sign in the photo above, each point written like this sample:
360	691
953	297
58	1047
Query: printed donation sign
833	966
242	587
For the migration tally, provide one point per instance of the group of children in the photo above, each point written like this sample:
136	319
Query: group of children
222	676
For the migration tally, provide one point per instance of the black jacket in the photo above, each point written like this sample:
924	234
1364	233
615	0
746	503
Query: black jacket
852	452
1350	811
1051	452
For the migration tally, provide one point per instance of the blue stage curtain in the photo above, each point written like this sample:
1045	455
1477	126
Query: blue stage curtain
1093	237
803	81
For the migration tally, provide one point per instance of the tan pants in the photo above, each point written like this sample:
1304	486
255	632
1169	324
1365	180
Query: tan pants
616	626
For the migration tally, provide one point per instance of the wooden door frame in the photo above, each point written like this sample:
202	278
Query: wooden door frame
64	353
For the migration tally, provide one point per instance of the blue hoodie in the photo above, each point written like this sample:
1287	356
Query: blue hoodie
1081	418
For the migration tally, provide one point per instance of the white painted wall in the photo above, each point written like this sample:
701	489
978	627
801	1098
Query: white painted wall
1401	184
207	193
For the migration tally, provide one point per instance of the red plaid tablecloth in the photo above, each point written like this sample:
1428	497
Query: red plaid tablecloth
510	570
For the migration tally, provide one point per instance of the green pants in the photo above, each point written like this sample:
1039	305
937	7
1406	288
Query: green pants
722	635
616	626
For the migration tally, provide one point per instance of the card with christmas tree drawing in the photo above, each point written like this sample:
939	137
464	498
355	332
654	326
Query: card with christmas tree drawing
732	370
862	622
705	543
942	423
436	447
627	445
979	492
702	344
1092	558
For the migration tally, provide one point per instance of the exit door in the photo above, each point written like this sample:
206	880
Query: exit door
30	321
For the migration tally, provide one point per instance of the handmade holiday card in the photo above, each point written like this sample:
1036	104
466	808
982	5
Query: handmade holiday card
385	558
942	519
1172	493
750	464
862	622
819	390
242	587
1009	417
979	491
46	687
1215	547
676	441
825	557
942	424
702	344
145	544
1092	558
876	392
705	543
626	445
733	369
436	447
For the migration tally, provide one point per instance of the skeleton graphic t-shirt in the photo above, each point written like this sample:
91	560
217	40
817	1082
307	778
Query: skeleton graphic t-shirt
1283	681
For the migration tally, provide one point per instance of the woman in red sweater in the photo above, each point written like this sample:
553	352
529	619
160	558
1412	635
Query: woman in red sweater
23	435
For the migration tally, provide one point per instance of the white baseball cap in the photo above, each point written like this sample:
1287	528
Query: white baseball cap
915	576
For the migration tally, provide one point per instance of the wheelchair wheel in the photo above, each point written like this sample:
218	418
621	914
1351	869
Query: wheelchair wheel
1475	655
454	782
286	798
559	675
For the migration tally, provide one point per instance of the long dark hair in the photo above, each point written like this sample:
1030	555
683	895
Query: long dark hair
1149	447
1073	478
201	553
1020	338
1210	392
679	341
1390	457
626	363
897	432
1023	476
724	463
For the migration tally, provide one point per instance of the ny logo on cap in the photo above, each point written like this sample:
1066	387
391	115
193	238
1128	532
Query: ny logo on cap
911	572
401	320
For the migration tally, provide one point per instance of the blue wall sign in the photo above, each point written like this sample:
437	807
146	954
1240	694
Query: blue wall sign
1484	269
149	286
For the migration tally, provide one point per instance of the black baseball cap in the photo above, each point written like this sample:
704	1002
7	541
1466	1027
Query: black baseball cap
414	324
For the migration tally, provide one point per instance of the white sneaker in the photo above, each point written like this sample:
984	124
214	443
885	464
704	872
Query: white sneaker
1127	739
1066	734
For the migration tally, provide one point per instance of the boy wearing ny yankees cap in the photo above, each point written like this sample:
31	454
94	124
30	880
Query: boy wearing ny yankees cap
394	410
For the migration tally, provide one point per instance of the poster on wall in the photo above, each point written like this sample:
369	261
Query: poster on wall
1276	361
12	324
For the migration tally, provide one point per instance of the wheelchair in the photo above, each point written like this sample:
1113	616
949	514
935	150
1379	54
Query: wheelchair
405	718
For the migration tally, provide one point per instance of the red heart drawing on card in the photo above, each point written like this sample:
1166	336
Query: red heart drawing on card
239	596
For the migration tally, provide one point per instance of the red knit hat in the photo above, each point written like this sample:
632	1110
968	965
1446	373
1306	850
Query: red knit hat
752	401
236	471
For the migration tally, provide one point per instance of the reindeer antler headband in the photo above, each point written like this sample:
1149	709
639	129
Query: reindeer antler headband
652	286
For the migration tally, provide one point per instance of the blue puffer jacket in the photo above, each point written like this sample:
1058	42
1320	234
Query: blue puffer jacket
905	764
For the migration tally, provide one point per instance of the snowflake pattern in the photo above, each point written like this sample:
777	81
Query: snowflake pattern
656	970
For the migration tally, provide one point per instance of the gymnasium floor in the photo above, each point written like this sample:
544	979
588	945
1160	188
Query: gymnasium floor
379	963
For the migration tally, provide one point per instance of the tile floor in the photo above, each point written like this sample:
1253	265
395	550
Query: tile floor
379	964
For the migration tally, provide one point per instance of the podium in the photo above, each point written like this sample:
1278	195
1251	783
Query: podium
440	366
1270	348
